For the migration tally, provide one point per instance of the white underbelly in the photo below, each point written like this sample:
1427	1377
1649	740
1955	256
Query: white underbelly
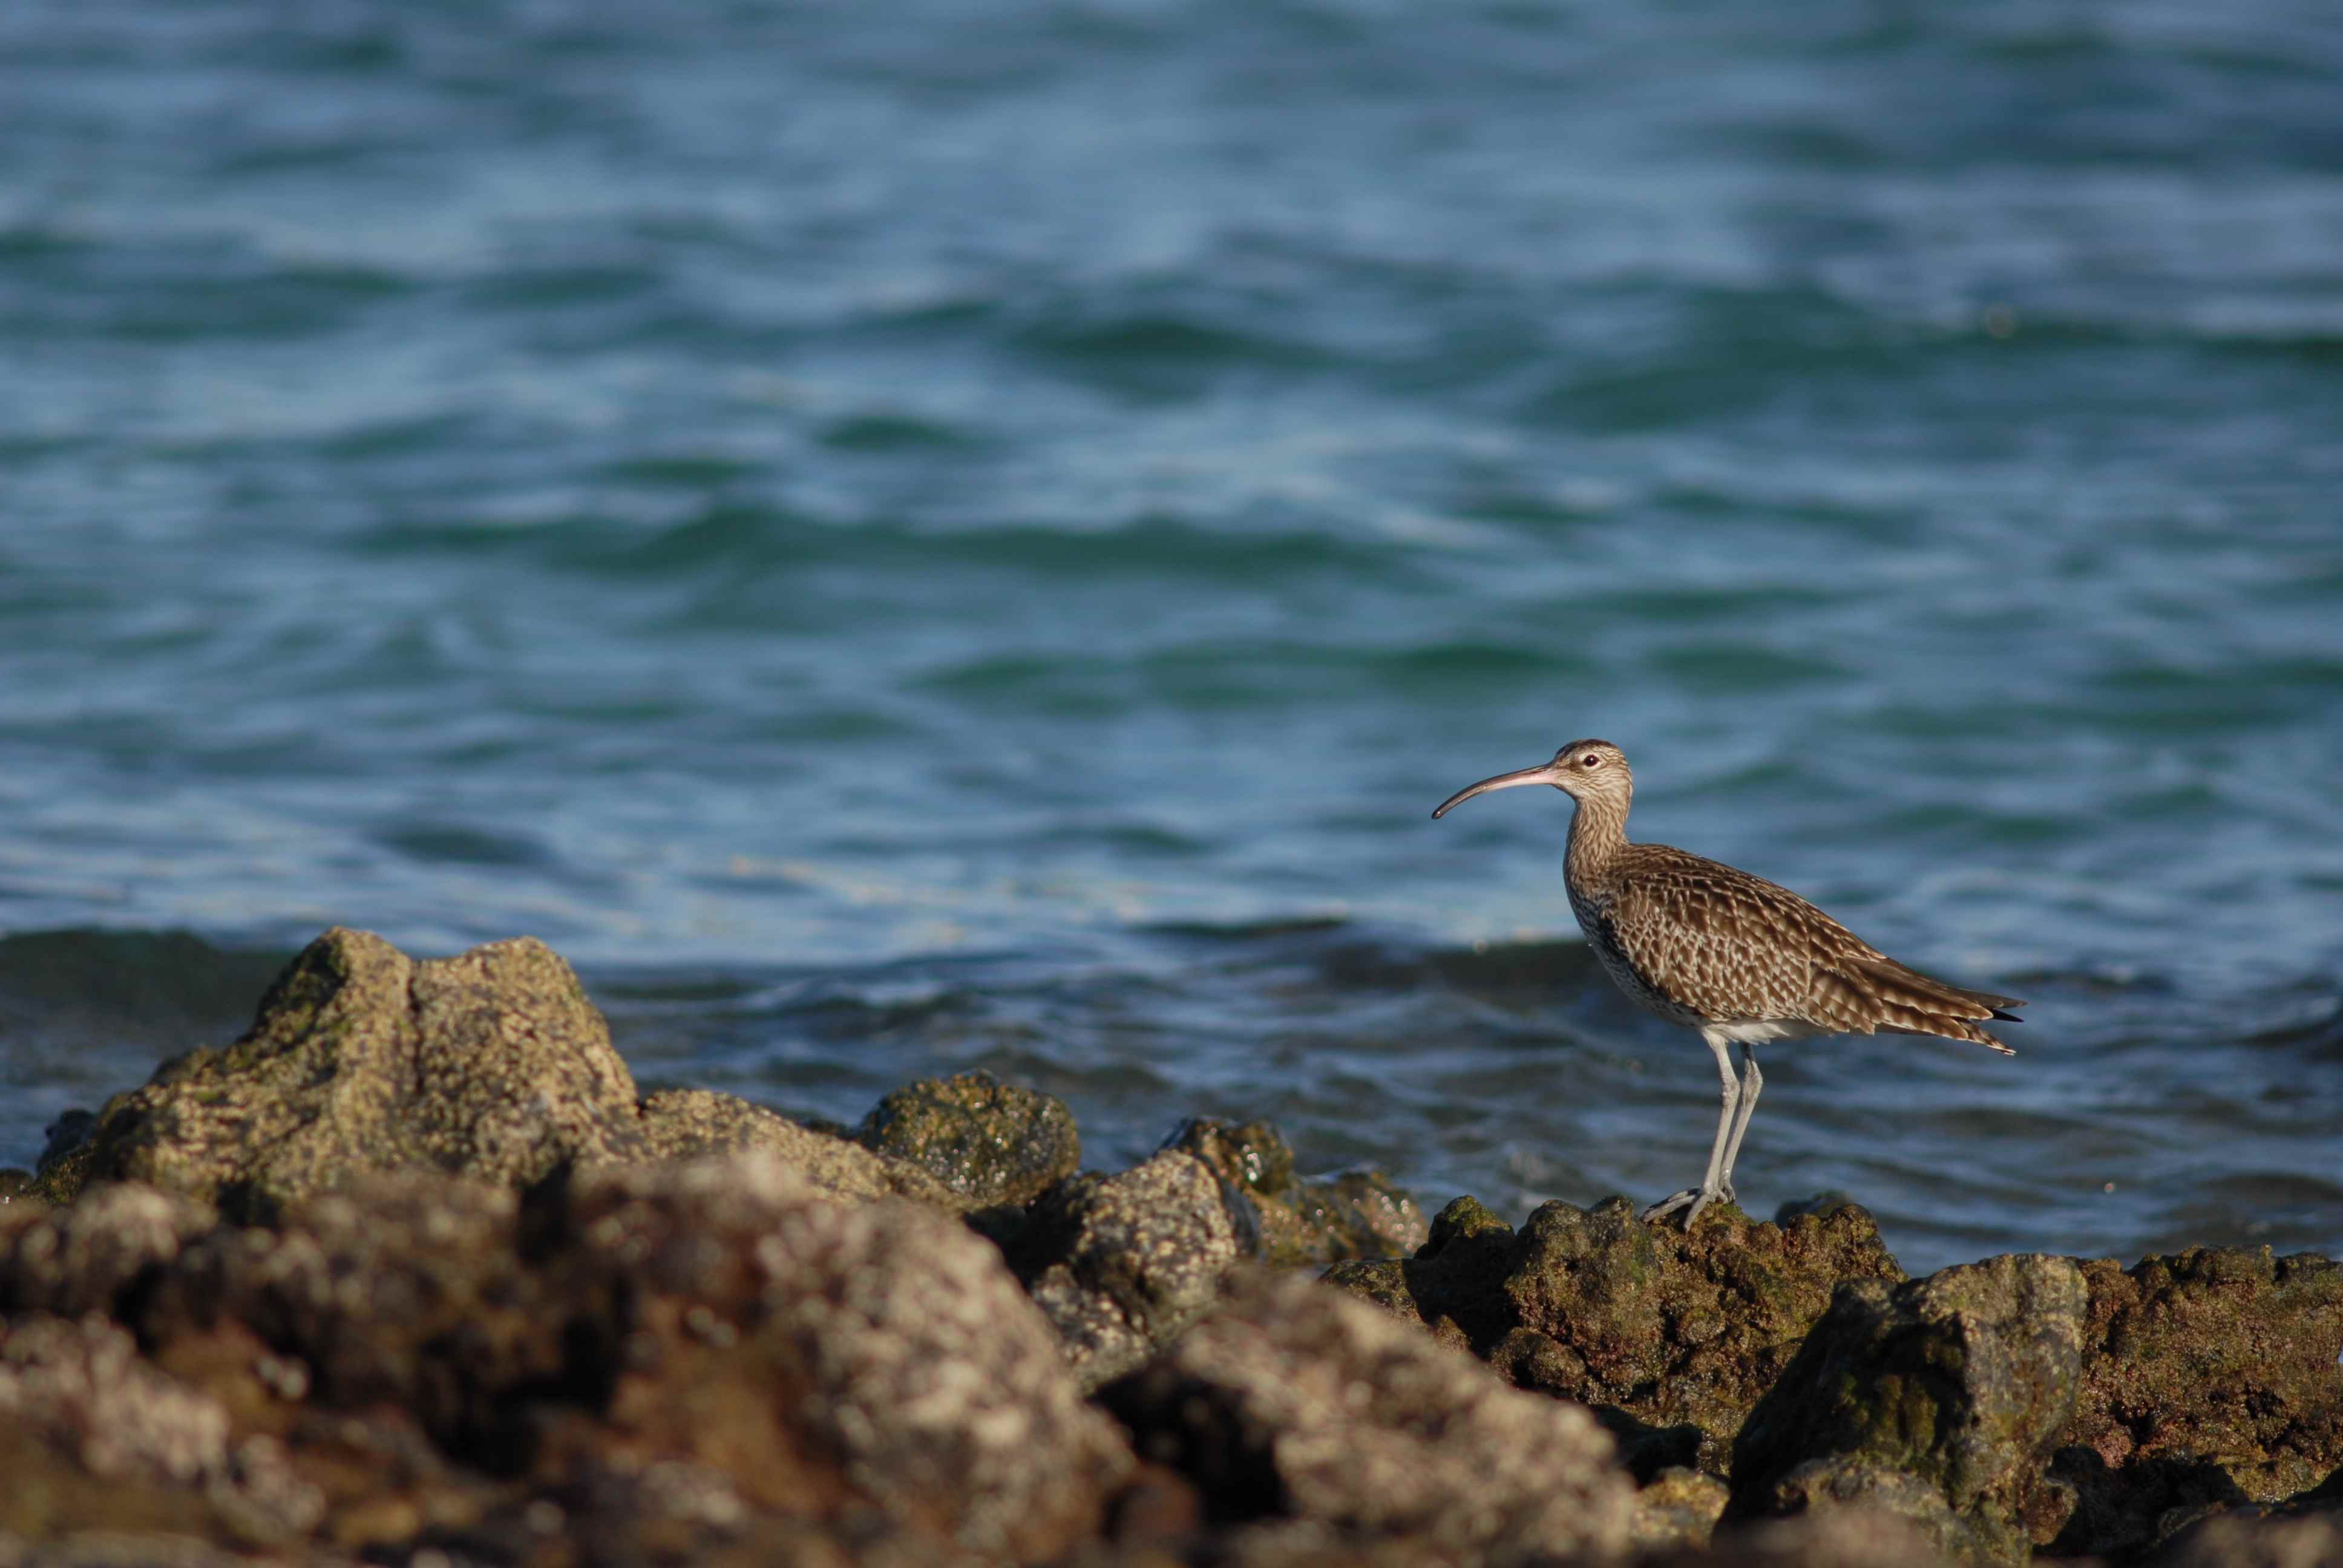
1758	1031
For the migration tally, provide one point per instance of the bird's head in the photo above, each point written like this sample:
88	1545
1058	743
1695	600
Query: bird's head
1591	770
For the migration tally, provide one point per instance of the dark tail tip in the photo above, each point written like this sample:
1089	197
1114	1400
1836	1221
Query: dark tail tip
2008	1017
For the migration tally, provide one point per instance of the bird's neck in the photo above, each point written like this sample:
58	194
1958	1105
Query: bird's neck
1598	831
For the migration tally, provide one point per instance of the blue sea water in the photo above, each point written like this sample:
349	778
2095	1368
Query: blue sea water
946	535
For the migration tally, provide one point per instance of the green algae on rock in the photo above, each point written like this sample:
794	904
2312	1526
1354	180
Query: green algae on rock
992	1143
2209	1377
1671	1337
1938	1399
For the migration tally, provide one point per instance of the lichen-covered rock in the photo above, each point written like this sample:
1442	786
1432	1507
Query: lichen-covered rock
1358	1214
2209	1377
1938	1400
1671	1337
1118	1264
492	1063
90	1434
702	1123
1292	1403
993	1143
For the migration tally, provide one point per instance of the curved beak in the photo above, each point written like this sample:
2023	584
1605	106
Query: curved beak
1544	773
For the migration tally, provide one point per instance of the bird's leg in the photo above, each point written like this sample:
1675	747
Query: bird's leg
1694	1199
1751	1080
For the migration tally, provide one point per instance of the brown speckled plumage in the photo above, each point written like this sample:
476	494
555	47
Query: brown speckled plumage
1740	958
1699	941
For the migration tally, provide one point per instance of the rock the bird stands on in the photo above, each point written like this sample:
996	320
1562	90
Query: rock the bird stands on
1733	956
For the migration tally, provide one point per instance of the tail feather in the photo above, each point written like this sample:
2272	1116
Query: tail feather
1915	1003
1914	988
1911	1021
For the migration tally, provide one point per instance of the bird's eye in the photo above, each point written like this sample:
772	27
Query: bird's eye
1590	760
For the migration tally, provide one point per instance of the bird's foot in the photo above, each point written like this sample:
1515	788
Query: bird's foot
1690	1202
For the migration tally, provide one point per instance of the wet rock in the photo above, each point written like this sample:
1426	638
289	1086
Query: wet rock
1254	1157
80	1258
992	1143
492	1063
2209	1379
1358	1214
92	1435
1291	1405
1938	1400
700	1123
1120	1264
1672	1338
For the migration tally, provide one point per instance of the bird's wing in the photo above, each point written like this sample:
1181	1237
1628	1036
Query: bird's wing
1729	945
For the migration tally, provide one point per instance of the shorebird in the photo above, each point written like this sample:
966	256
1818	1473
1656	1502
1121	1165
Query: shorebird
1710	947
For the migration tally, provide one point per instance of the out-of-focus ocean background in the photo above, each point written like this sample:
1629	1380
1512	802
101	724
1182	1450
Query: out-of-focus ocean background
936	536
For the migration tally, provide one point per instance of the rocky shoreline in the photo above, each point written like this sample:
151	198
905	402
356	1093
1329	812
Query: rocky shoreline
412	1272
